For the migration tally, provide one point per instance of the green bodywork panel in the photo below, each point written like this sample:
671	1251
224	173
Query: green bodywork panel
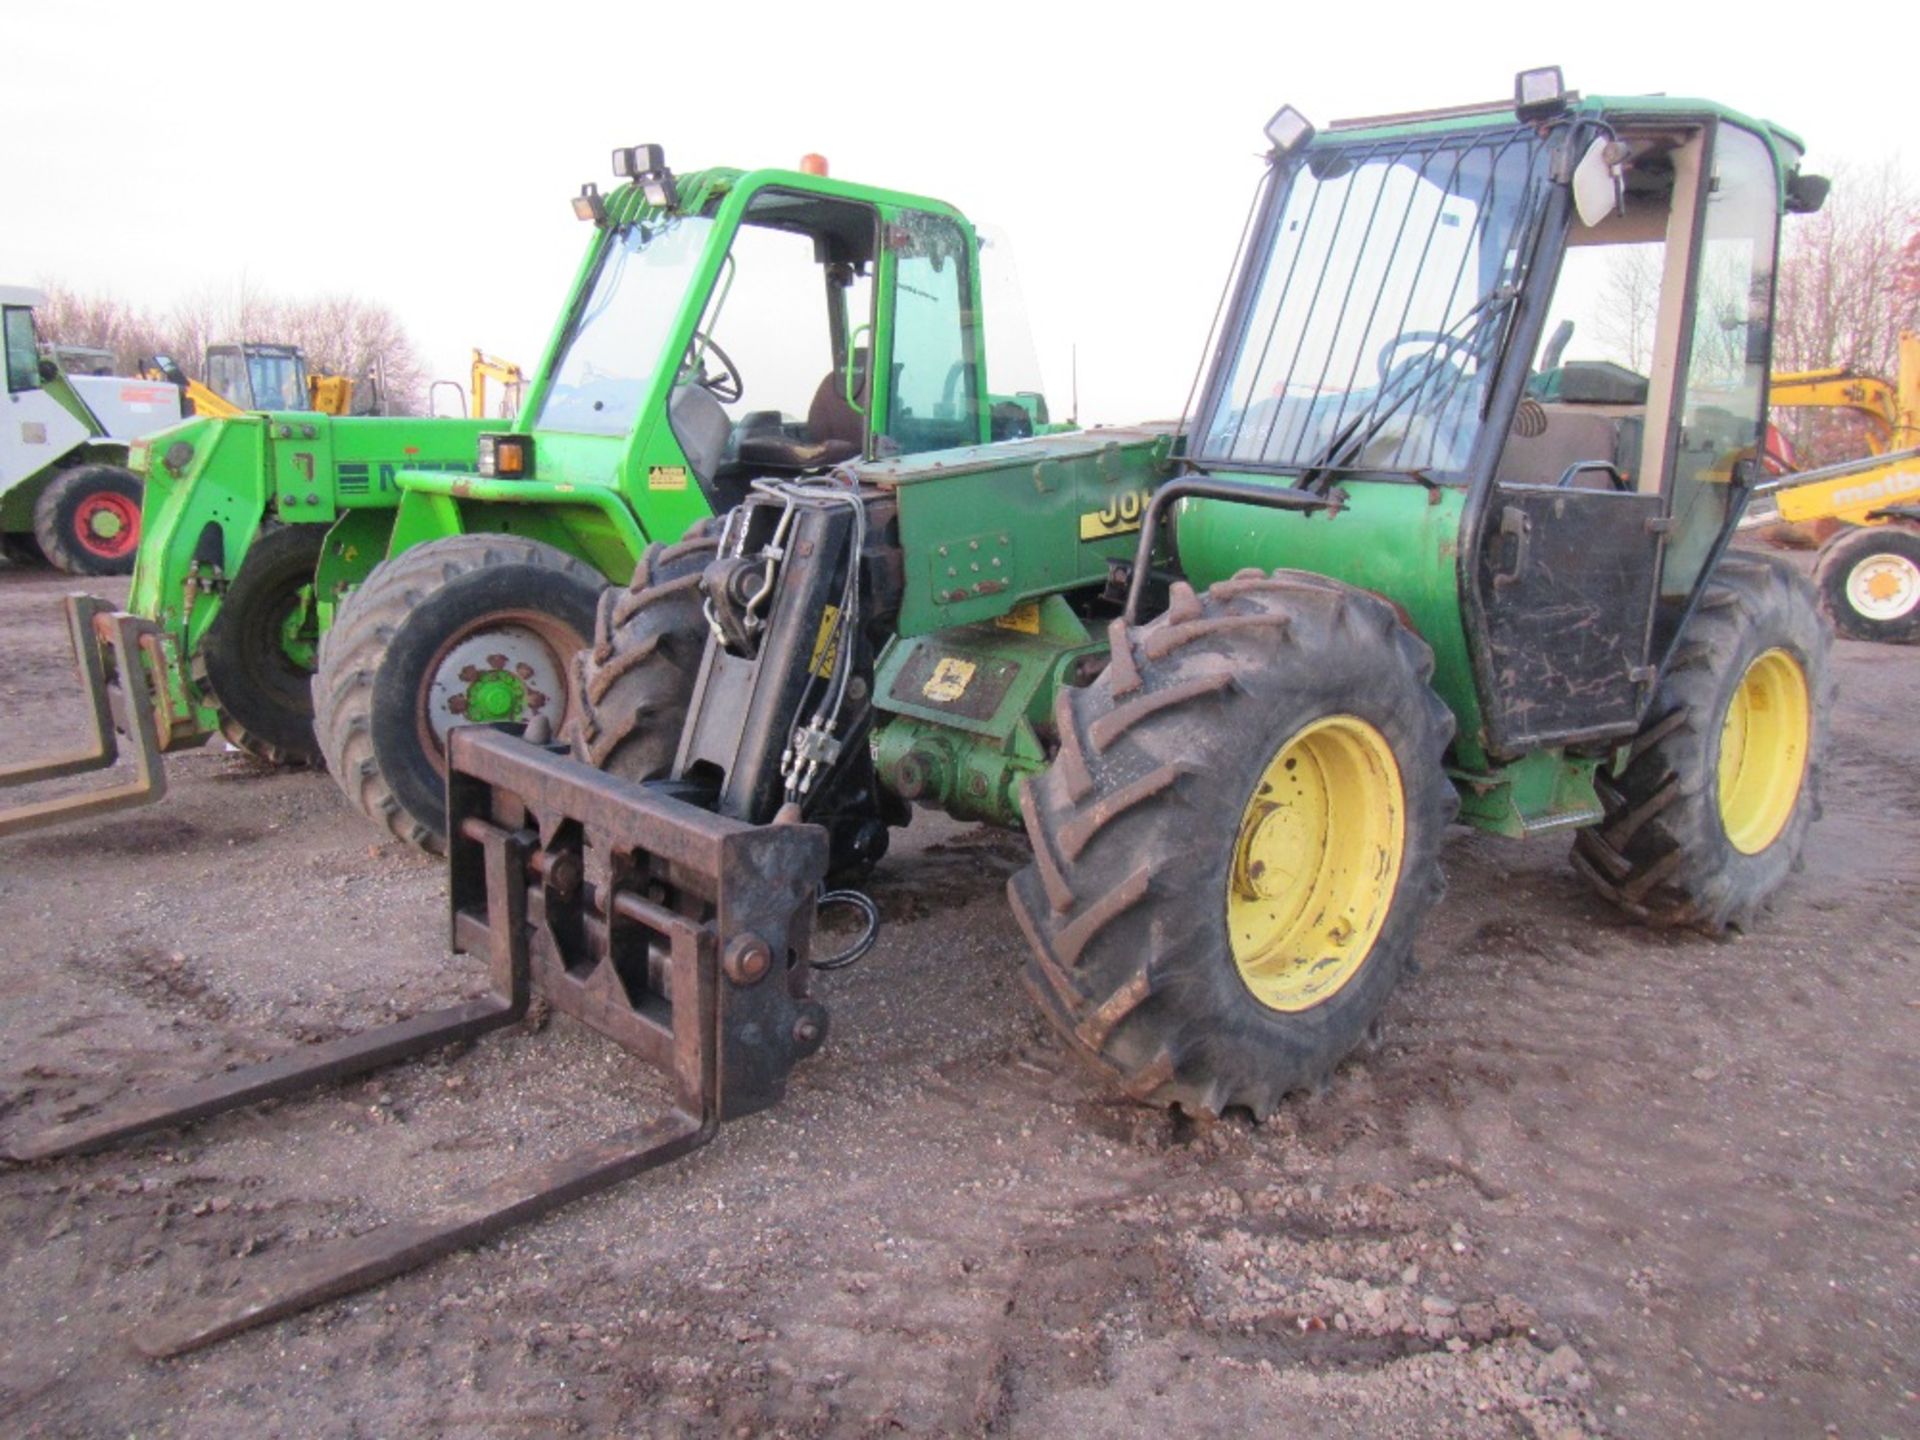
967	707
212	483
356	542
1546	790
995	538
984	529
1401	540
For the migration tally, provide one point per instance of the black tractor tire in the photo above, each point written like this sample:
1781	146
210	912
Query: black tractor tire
1136	829
1849	560
635	681
265	696
1663	853
64	520
388	640
21	549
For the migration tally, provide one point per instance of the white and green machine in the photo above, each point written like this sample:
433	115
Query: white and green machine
66	494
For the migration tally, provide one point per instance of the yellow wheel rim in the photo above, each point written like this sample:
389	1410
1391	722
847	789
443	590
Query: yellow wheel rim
1763	751
1316	863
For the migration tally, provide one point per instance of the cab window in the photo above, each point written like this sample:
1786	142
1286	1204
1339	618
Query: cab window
23	359
935	402
227	377
790	308
1723	401
1589	419
775	379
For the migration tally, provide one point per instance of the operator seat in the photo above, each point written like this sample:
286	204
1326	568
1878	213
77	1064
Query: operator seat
834	431
1586	413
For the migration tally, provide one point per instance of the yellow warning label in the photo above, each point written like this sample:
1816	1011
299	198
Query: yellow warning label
1120	514
821	661
1024	618
666	477
949	682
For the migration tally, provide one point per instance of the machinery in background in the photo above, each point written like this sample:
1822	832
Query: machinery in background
67	493
473	400
1868	567
254	376
77	360
509	376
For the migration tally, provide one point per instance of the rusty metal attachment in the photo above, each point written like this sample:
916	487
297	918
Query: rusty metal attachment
112	651
659	924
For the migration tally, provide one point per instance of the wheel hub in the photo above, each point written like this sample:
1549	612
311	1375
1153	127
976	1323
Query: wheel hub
1884	587
1764	742
1316	862
299	631
107	524
504	674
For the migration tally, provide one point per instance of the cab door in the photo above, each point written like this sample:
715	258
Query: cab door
1616	488
1566	577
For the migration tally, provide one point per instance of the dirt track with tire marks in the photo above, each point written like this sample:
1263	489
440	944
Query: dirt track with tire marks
1589	1180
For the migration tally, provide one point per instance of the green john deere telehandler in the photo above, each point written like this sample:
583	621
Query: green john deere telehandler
722	324
1430	547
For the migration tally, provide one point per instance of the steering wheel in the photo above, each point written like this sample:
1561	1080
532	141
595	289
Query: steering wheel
726	387
1605	467
1439	341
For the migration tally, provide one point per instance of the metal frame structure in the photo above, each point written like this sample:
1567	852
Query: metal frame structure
678	933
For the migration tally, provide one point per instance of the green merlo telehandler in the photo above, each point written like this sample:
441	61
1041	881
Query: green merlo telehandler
404	576
1429	547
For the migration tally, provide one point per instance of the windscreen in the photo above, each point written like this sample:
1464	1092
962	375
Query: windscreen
1379	305
613	353
279	382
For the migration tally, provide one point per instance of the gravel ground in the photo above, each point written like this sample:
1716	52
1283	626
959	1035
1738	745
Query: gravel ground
1590	1180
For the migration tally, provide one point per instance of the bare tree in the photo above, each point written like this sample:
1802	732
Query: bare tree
339	334
1910	270
1849	283
1846	285
105	321
1629	304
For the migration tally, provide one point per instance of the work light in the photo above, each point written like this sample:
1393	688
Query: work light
588	204
1288	130
505	457
646	166
1539	94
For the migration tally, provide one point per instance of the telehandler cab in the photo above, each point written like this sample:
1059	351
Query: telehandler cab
402	577
1235	679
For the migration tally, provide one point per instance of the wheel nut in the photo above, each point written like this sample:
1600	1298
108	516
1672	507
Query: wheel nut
747	960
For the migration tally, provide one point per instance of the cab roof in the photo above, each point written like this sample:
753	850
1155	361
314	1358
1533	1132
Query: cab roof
1787	147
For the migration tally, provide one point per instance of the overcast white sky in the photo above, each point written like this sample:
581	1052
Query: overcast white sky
424	155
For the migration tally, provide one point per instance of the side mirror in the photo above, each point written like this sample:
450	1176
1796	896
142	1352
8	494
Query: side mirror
1806	193
1600	182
